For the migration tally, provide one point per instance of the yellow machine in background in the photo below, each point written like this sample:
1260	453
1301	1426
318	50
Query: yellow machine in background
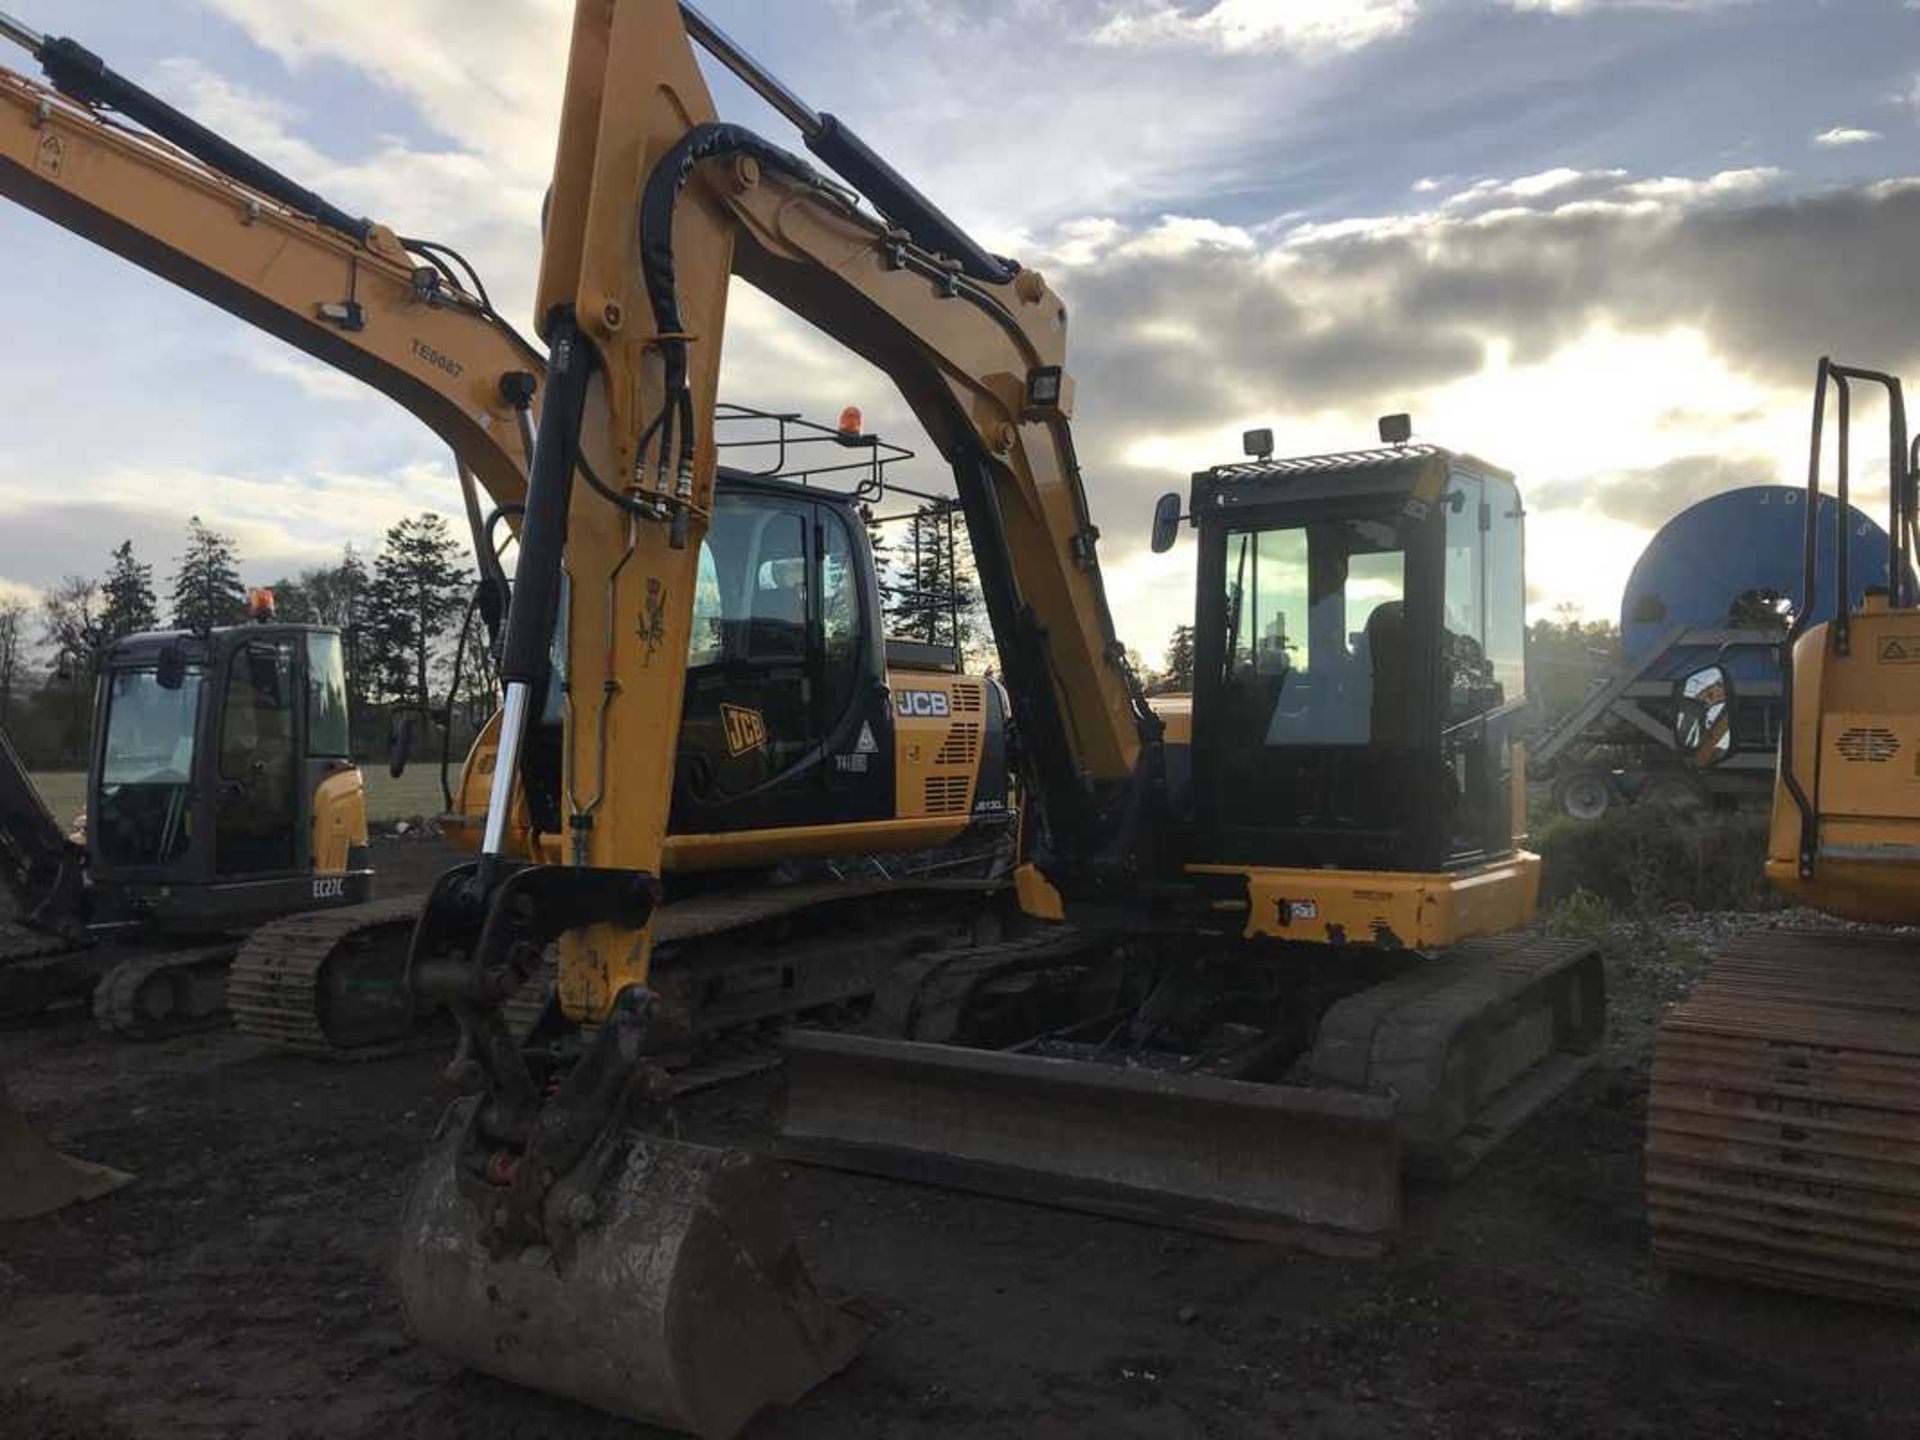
1783	1126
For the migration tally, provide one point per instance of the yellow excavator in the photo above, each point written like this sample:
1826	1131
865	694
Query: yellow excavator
871	771
1280	952
1783	1122
1275	954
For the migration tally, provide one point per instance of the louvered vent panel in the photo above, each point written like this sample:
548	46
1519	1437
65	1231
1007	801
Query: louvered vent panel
962	745
1871	744
947	794
968	700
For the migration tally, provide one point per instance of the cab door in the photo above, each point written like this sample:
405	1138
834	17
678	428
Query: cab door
779	671
257	826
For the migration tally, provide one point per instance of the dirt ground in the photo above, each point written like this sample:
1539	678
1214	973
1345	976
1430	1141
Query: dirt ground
237	1287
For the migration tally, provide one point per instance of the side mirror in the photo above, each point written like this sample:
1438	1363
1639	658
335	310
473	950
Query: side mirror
1703	716
171	669
399	744
1166	522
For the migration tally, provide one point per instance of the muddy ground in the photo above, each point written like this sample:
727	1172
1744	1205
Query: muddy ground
237	1289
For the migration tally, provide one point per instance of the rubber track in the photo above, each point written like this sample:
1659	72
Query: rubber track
116	998
273	988
1783	1124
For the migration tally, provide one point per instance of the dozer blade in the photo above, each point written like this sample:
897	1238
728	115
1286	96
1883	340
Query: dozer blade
684	1304
1315	1168
36	1179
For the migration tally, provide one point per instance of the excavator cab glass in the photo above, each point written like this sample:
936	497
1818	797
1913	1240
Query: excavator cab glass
146	765
785	666
1360	661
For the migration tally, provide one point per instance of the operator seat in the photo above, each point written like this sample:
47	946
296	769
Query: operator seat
1387	654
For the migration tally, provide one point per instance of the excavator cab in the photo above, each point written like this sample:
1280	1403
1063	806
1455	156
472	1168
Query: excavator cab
221	790
1359	671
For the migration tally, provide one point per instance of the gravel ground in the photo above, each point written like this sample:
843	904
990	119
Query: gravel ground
237	1287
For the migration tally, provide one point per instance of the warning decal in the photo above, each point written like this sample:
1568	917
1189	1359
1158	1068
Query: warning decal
865	745
1900	650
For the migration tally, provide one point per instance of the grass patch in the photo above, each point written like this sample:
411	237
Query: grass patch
1649	859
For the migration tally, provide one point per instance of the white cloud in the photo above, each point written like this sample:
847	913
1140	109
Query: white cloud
1846	135
1577	7
1260	26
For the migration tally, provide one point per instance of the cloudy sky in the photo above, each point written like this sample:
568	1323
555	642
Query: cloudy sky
1601	242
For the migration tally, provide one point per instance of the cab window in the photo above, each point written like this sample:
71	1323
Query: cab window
327	728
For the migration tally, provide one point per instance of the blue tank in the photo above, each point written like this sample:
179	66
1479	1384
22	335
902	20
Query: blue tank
1745	542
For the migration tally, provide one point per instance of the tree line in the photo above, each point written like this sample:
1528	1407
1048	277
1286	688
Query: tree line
400	618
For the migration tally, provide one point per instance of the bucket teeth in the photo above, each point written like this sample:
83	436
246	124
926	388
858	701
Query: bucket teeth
685	1302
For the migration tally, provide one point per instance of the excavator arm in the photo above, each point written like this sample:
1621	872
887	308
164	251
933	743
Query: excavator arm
654	202
348	293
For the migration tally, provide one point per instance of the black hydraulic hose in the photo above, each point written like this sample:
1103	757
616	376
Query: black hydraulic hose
453	694
78	72
662	190
543	530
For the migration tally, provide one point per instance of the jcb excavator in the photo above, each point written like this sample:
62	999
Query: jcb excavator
874	772
1783	1123
1344	812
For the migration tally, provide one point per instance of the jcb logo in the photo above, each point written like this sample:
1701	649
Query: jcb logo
922	702
746	729
330	887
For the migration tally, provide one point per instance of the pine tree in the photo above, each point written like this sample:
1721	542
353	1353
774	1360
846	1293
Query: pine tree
936	582
13	619
881	548
1179	674
70	621
70	624
419	588
206	587
127	604
337	595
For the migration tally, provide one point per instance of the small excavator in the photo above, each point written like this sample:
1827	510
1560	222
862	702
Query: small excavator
1783	1122
220	795
1258	938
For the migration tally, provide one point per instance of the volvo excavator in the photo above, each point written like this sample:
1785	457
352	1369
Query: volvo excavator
870	773
220	794
1783	1122
1292	938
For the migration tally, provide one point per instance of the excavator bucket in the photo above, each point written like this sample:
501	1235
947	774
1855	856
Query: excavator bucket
36	1179
684	1302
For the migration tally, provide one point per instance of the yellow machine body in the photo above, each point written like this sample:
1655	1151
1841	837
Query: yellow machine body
941	750
1856	758
339	820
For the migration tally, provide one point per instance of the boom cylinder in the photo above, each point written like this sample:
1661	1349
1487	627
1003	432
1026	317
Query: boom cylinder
526	658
